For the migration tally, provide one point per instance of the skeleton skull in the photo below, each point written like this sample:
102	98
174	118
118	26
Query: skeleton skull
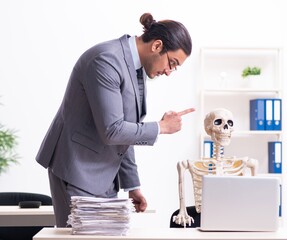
218	125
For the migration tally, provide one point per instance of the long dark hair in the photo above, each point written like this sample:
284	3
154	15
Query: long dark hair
173	34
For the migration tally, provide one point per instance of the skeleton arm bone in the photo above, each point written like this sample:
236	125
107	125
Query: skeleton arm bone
182	218
253	165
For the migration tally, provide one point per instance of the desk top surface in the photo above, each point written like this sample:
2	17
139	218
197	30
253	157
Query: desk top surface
15	216
16	210
163	234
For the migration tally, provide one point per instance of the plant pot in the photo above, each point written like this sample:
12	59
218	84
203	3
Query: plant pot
253	82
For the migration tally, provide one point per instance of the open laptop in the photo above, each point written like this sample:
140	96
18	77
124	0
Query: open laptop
240	203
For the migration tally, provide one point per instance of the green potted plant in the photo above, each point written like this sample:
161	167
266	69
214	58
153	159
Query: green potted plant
8	142
250	71
251	78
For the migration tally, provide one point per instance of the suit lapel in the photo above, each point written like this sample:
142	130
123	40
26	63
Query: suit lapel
132	72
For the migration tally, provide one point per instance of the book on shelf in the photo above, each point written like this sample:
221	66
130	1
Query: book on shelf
280	203
257	114
265	114
268	114
277	114
275	157
207	149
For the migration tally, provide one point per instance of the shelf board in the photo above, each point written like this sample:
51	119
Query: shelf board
251	132
279	175
256	132
241	90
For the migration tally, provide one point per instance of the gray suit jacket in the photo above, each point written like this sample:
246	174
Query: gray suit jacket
90	141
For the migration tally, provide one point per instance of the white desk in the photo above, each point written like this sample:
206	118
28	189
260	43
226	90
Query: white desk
15	216
163	234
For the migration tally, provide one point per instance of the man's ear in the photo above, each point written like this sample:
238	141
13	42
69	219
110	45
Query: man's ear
157	46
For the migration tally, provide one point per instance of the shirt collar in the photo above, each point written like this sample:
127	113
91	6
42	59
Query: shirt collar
134	51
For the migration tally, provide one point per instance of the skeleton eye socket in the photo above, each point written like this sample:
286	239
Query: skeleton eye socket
230	123
217	122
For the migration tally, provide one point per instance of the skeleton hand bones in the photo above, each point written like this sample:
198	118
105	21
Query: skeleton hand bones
183	218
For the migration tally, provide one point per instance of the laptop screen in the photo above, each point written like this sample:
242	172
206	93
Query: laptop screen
240	203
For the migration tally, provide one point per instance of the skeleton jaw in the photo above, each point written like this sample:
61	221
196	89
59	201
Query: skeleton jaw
222	139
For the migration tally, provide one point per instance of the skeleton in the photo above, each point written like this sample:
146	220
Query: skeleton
218	125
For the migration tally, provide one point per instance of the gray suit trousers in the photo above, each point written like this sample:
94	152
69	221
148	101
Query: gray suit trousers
62	191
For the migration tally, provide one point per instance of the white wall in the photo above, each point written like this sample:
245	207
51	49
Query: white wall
41	40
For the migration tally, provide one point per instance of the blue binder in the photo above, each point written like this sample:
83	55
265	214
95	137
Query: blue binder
280	204
257	114
208	149
275	157
277	114
269	123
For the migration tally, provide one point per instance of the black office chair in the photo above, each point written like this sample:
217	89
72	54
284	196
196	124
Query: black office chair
13	198
191	212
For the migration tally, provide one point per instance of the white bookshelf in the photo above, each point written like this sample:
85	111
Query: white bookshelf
223	86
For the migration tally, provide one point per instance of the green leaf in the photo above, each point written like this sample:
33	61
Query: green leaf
8	143
251	71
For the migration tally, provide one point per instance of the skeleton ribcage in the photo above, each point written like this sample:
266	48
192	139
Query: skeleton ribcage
210	166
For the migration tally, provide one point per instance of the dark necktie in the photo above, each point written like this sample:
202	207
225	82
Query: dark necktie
141	84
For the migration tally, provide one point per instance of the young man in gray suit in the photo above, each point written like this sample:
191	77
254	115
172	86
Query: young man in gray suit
88	148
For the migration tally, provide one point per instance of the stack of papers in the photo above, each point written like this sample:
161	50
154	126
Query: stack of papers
100	216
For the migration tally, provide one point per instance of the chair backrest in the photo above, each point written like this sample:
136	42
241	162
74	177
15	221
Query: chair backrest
13	198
